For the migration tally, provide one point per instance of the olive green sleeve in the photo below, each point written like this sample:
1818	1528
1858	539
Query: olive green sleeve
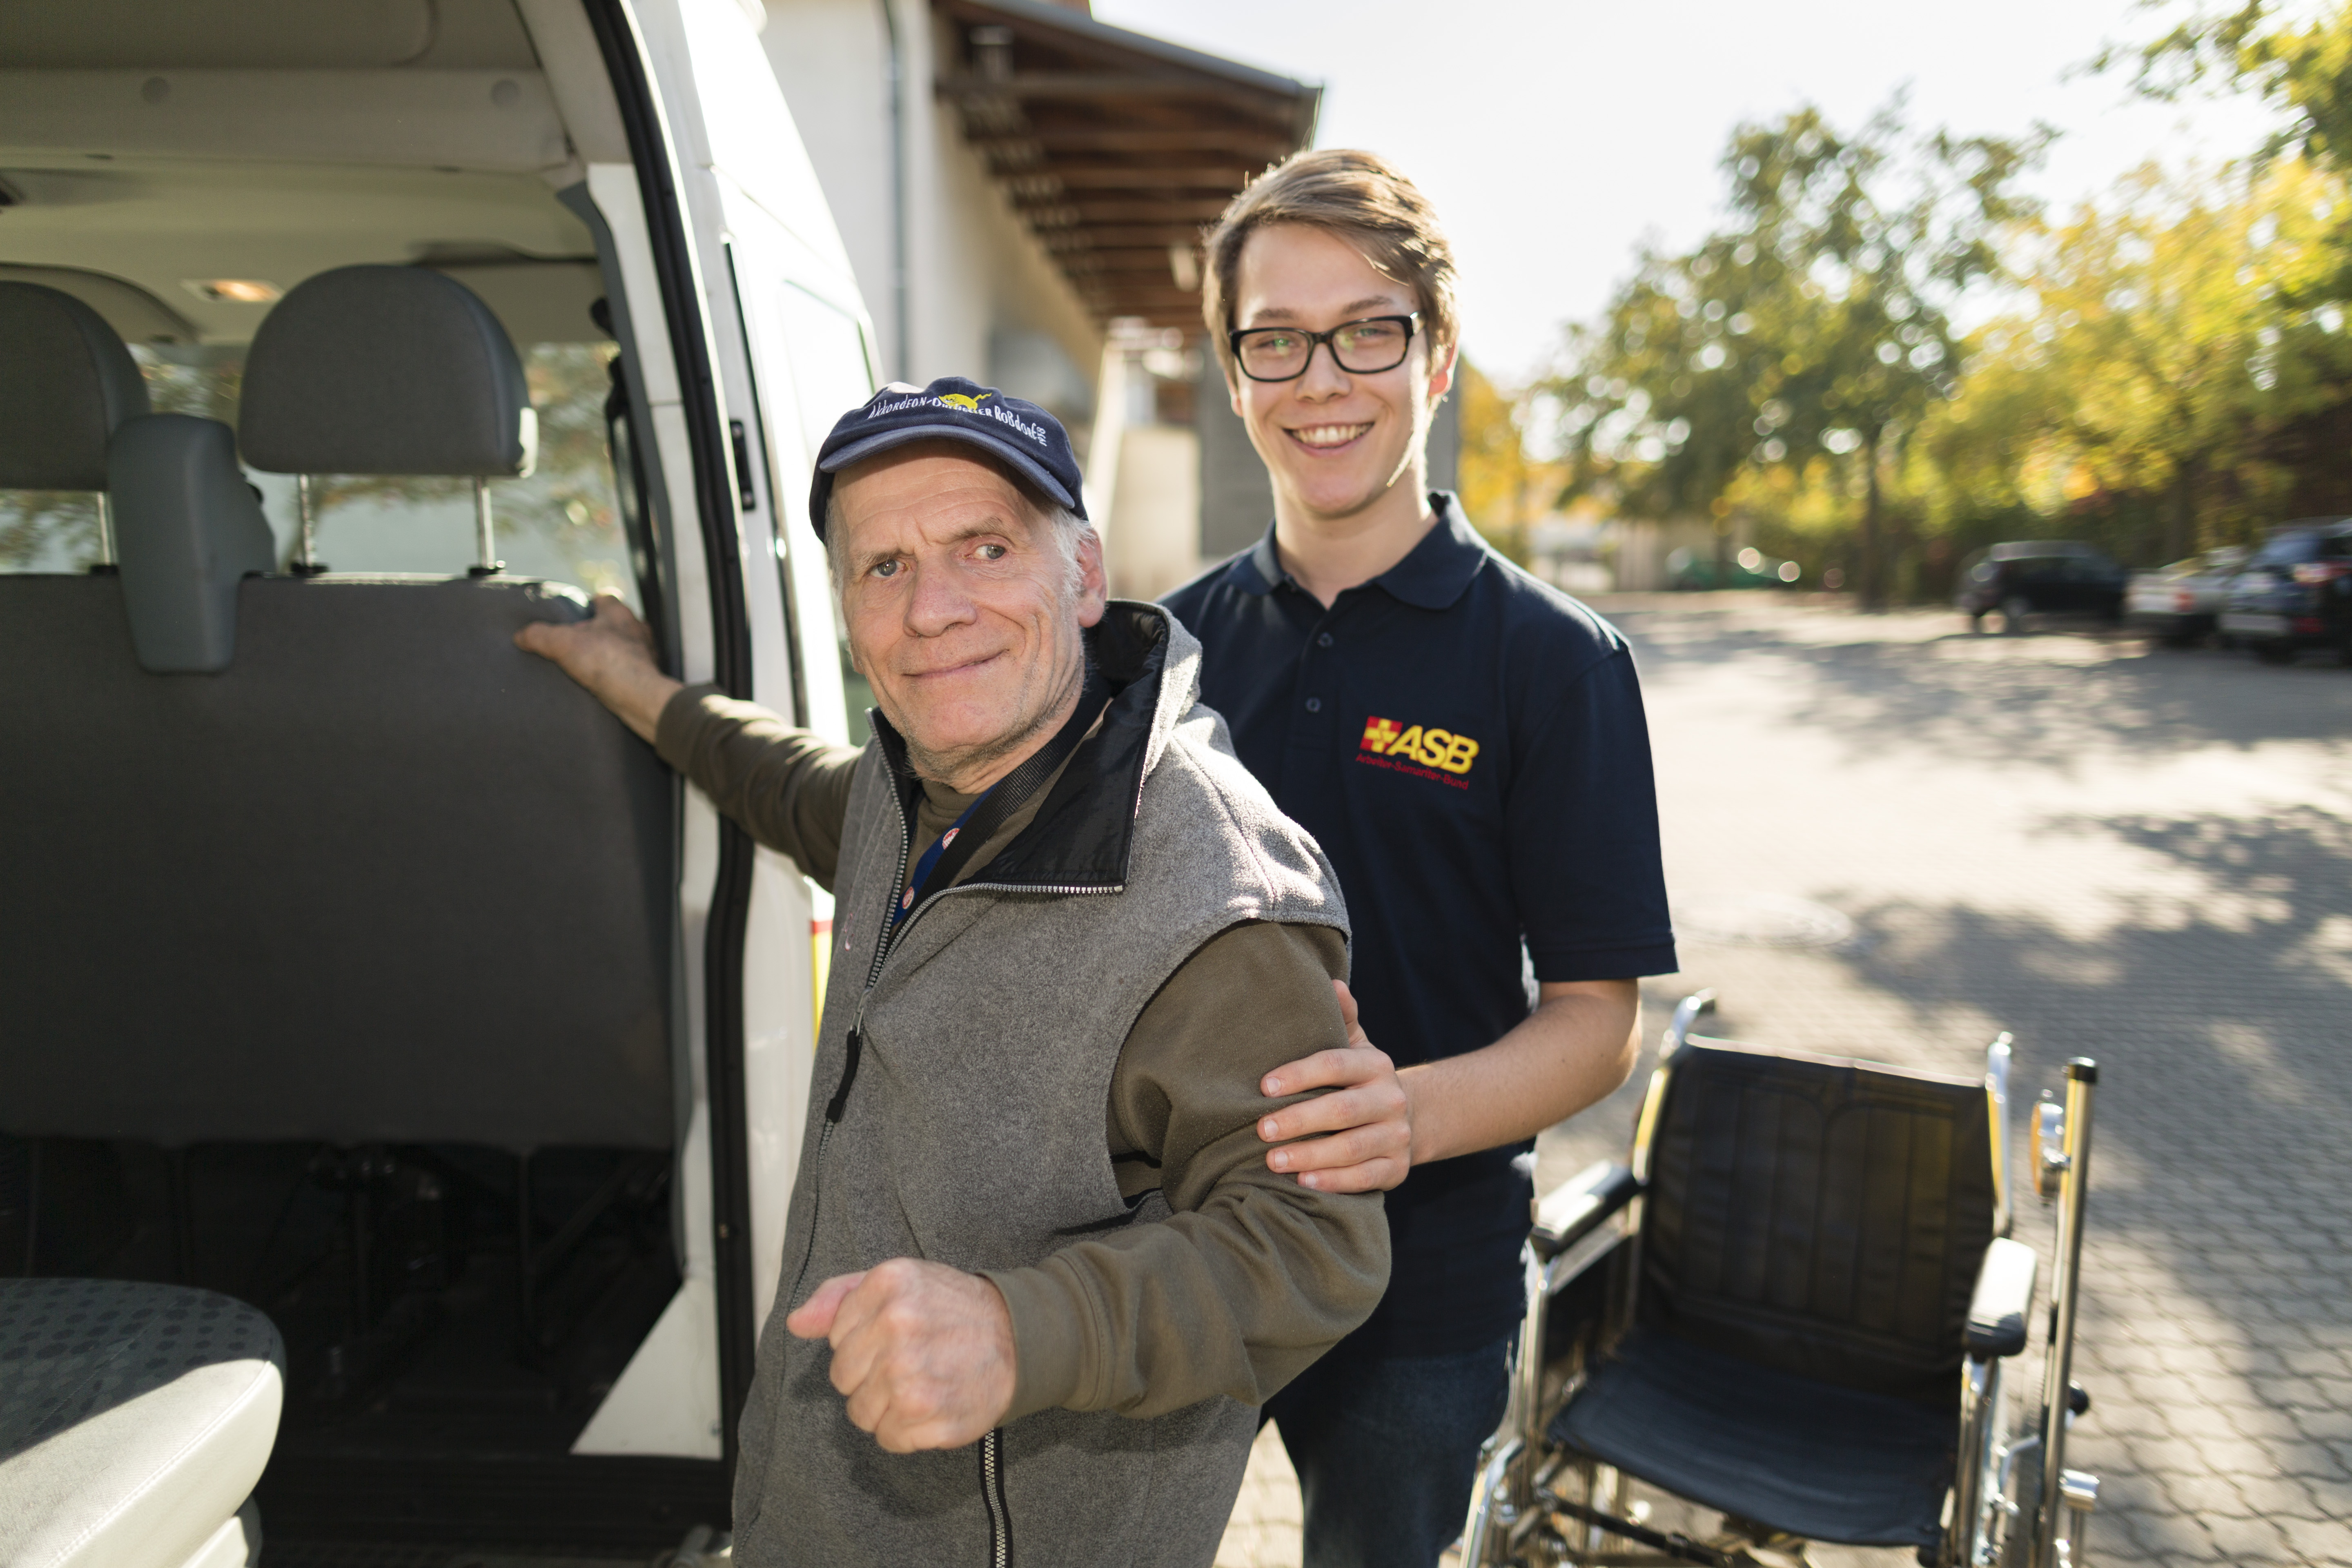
1253	1276
788	787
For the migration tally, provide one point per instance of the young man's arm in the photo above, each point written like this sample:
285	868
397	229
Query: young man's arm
1573	1051
789	788
1249	1279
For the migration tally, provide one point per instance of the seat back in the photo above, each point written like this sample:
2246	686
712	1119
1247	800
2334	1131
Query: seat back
1820	1216
378	877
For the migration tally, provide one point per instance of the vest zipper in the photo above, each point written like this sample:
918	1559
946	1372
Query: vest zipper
991	1492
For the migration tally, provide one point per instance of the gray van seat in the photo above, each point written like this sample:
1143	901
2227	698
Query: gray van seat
134	1421
384	878
65	382
187	527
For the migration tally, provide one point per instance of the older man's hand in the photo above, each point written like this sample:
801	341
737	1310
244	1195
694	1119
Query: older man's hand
923	1352
1356	1139
610	654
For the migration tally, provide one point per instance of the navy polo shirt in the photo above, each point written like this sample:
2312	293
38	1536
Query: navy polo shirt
1468	744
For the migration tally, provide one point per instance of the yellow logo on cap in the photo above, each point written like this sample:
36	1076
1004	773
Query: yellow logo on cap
960	400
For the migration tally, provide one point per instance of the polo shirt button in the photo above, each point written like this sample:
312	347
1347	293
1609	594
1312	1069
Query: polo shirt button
1315	705
1323	640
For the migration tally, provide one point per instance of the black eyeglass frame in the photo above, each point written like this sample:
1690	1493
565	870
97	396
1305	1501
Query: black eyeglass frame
1411	324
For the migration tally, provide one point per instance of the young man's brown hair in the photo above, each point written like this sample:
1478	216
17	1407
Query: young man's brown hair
1359	197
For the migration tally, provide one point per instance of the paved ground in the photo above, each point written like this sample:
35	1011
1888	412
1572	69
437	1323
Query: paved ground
2136	855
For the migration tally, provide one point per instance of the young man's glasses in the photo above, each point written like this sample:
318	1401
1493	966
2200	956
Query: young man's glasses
1361	348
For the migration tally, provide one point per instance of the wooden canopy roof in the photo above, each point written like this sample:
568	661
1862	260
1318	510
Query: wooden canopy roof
1116	149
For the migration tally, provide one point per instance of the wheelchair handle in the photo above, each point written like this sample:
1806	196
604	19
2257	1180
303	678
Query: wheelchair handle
1687	1012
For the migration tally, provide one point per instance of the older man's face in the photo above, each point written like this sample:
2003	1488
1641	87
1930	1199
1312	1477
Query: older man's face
961	609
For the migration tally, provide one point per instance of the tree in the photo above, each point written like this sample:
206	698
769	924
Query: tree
2304	70
1496	472
2168	356
1818	322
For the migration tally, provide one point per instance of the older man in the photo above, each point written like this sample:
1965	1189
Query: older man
1035	1239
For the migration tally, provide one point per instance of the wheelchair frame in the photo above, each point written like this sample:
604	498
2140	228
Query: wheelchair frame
2012	1504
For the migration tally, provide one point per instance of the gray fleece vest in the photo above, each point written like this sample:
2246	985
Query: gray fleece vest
967	1128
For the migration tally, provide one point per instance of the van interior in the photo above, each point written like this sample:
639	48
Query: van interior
339	958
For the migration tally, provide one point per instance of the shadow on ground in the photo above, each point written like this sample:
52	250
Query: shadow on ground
2040	697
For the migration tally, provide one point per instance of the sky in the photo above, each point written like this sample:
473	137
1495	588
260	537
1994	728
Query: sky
1555	138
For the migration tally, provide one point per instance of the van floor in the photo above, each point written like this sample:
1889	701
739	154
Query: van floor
440	1435
458	1422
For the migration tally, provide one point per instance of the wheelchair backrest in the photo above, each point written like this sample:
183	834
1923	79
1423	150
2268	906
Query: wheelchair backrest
1822	1216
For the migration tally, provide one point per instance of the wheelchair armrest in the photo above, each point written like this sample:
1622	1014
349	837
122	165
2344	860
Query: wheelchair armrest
2003	1300
1576	1208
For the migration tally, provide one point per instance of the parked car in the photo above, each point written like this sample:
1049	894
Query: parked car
2039	578
2295	592
2180	604
1748	568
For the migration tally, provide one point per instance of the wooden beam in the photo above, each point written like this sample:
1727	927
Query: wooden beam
1087	240
1132	176
1088	210
1119	263
1243	143
1117	86
1133	298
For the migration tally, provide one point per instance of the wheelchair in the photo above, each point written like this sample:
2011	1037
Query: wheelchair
1795	1309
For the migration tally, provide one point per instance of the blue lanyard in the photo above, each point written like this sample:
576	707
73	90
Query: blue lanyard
930	858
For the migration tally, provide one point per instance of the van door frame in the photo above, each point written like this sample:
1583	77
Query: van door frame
652	151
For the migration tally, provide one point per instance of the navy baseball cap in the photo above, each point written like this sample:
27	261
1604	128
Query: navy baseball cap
1025	437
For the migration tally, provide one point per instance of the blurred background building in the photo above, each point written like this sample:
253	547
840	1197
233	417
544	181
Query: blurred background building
1022	190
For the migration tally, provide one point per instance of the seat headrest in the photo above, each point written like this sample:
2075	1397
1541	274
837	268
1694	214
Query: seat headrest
189	528
386	370
65	382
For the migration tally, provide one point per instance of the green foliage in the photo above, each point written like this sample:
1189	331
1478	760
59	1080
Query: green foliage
2164	383
47	530
1495	470
2175	370
2305	69
1811	335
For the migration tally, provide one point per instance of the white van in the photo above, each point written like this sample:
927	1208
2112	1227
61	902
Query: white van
401	1075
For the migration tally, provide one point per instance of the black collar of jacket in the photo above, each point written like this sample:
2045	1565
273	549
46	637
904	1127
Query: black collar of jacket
1079	839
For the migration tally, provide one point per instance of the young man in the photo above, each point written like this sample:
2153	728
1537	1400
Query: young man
1468	747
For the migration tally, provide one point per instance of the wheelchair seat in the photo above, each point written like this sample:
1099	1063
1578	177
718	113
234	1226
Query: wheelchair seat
134	1421
1805	1457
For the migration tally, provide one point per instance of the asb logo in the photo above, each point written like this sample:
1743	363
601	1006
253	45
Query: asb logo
964	401
1431	747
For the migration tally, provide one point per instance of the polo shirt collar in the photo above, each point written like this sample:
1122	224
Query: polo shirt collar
1432	575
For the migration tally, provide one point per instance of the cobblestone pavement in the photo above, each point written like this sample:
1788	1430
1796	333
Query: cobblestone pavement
2107	849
